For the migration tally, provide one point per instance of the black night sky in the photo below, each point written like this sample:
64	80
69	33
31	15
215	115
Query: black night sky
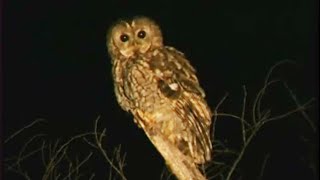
56	67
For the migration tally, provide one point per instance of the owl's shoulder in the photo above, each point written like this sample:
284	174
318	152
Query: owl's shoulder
180	59
173	72
174	51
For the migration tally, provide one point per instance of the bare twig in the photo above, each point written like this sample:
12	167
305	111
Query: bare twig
215	112
236	162
58	155
92	176
76	169
221	101
23	129
233	116
275	66
21	157
301	108
165	174
256	104
259	118
23	174
304	114
98	140
244	135
263	166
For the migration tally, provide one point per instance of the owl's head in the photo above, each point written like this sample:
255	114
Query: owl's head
136	36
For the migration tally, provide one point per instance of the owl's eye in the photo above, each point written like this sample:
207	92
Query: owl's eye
124	37
141	34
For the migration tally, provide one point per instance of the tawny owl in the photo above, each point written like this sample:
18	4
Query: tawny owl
157	84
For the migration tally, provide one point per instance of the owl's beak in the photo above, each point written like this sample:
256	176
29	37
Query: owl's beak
140	47
135	45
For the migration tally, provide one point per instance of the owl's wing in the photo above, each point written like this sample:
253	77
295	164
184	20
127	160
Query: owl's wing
178	81
173	68
194	111
184	72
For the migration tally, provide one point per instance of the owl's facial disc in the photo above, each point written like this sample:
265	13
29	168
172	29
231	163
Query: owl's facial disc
147	34
142	38
123	39
126	45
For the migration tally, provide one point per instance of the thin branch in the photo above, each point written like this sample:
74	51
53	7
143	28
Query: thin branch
222	100
236	162
304	114
215	116
62	150
99	144
90	143
263	166
244	136
92	176
23	174
78	166
233	116
42	154
274	66
22	129
301	108
266	82
22	158
257	101
20	155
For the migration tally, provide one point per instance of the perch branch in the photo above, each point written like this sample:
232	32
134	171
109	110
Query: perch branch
179	164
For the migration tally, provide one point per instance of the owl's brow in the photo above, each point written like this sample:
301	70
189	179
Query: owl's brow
133	23
126	24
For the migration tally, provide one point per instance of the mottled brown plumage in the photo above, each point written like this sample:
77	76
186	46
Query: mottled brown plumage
159	87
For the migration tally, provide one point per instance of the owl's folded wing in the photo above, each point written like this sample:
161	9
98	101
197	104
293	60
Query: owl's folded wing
178	81
180	72
197	115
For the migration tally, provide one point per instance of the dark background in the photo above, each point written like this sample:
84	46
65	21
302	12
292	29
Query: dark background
56	67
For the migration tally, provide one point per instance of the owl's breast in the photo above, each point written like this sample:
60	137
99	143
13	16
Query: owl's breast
141	86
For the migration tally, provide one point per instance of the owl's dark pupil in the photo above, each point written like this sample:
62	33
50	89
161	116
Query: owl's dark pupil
141	34
124	37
